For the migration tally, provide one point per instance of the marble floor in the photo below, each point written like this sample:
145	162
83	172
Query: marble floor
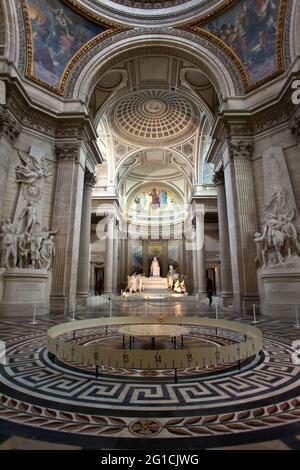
51	405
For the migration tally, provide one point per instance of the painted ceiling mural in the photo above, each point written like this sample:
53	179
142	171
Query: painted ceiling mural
250	28
154	201
249	31
58	33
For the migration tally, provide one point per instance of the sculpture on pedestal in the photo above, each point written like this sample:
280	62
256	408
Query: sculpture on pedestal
155	268
278	244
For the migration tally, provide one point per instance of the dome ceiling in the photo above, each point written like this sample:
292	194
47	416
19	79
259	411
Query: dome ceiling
150	4
154	114
149	12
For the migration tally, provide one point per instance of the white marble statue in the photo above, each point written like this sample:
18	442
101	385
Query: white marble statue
47	252
9	246
134	284
30	169
155	268
171	277
30	216
24	247
278	243
140	285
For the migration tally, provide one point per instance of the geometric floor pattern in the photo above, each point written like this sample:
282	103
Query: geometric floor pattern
58	402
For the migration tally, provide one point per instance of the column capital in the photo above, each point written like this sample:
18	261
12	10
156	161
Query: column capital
67	151
8	125
218	178
89	179
240	149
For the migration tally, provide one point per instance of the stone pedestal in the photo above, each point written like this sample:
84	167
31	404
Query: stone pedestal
280	290
22	289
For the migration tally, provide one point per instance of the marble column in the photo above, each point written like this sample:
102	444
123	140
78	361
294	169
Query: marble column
83	281
225	272
116	260
194	263
109	255
200	251
242	220
66	220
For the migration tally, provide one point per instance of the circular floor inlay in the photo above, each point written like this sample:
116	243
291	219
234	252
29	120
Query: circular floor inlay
69	402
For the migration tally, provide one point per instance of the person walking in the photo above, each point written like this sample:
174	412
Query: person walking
209	289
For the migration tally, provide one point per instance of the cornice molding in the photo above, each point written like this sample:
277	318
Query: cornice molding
9	126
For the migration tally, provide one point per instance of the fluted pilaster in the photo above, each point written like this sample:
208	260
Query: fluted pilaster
66	220
242	219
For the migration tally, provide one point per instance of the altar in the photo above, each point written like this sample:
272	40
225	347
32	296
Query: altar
157	283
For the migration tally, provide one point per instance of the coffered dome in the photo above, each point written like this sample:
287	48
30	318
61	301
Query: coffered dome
153	114
150	4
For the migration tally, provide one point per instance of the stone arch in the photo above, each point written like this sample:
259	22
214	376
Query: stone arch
292	34
2	31
212	61
174	152
11	31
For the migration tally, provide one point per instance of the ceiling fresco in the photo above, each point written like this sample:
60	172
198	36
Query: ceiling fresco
252	31
55	35
59	33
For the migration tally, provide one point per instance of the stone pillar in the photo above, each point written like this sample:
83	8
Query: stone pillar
242	220
83	281
194	264
109	255
116	269
9	131
92	279
66	220
200	251
225	272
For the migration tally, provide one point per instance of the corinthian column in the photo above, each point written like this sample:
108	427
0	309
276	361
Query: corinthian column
226	274
66	220
83	281
242	219
200	251
109	255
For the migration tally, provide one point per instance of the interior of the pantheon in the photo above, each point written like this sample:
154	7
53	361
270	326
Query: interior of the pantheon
149	224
